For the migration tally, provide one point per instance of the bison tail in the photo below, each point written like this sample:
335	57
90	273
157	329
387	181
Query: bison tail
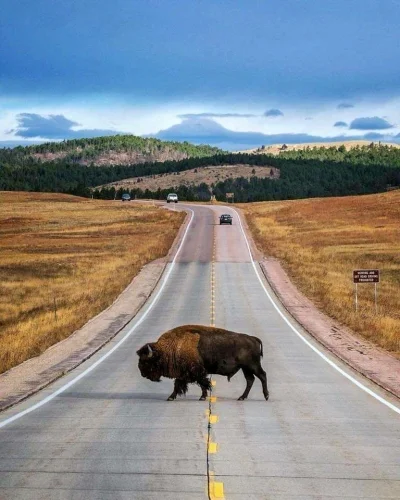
261	348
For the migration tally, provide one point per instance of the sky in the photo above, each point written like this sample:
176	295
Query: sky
233	73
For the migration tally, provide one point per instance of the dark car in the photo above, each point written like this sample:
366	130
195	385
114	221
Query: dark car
225	219
126	197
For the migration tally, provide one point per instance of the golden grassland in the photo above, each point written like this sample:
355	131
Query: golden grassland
63	259
321	241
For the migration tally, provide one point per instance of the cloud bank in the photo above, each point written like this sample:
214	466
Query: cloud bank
216	115
54	127
370	123
374	136
345	105
195	128
207	131
273	113
340	124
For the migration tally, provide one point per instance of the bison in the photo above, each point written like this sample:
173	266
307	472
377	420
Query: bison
190	353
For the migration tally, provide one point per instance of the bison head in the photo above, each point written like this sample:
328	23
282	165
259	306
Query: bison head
149	362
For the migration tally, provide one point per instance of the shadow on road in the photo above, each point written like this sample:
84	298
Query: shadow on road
114	395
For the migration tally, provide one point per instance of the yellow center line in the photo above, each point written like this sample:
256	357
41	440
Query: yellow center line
212	315
215	488
213	419
212	447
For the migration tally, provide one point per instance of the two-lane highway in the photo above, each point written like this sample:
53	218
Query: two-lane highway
112	435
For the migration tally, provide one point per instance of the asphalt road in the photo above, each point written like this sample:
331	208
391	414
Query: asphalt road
112	435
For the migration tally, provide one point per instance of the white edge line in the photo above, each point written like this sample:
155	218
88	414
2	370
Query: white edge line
105	356
321	354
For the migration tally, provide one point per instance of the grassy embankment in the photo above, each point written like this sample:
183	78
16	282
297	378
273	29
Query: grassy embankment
63	259
321	241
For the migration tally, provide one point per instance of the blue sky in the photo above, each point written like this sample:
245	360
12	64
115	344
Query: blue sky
255	67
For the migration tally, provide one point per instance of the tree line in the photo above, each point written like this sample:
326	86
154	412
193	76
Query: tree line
305	173
296	181
76	150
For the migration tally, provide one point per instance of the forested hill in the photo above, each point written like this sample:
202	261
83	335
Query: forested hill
381	154
361	172
110	150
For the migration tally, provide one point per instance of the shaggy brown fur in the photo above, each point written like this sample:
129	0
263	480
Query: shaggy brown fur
181	357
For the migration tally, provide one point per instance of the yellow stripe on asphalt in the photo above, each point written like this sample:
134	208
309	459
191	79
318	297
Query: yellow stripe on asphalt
216	490
212	447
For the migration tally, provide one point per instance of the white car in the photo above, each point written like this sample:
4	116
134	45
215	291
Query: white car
172	198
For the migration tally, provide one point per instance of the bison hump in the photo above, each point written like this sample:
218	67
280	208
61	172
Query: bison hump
180	354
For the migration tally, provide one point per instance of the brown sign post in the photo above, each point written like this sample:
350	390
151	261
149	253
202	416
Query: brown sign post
366	276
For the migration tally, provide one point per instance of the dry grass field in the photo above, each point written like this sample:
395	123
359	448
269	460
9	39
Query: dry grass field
208	175
321	241
64	259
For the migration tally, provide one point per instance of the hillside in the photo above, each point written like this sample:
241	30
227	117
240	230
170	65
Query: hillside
110	150
276	149
193	177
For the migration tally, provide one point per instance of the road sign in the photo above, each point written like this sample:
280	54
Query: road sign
366	276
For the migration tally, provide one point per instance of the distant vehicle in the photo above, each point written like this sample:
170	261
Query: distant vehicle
126	197
225	219
172	198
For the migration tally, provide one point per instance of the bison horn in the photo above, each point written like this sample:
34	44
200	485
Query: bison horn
150	350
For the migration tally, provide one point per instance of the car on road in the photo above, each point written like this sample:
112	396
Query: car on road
126	197
225	219
172	198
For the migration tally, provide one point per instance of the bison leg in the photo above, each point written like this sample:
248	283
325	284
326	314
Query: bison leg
250	381
205	385
232	374
180	387
260	373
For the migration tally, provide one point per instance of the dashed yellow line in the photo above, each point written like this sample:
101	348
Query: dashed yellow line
212	314
213	419
212	447
215	488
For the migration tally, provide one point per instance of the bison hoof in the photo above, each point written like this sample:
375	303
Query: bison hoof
266	397
203	398
171	399
241	398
